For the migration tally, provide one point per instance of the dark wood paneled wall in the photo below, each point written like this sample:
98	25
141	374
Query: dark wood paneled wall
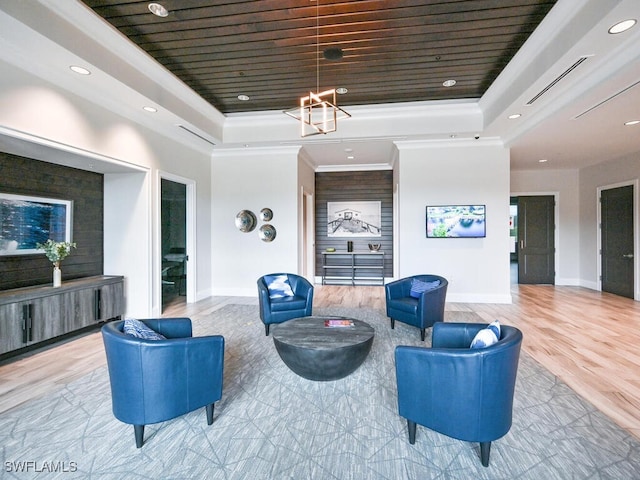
355	186
25	176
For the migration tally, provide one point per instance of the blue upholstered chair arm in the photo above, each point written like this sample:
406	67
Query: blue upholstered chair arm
454	335
432	302
398	288
301	288
170	327
263	300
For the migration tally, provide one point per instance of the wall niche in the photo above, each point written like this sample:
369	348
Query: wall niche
356	186
25	176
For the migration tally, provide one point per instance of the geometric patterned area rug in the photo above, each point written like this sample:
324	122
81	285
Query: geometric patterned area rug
273	424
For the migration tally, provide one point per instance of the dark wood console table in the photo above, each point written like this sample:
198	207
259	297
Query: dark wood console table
33	315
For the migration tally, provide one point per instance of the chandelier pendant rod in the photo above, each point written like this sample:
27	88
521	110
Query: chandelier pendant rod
317	46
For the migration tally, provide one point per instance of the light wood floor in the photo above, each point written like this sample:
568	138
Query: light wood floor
588	339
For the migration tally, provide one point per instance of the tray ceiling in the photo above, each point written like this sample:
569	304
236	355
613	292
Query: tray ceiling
273	50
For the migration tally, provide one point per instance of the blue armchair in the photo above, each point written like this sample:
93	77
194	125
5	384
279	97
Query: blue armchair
278	308
420	312
157	380
460	392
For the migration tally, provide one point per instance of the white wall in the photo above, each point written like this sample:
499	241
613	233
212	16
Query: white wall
127	227
563	184
253	179
468	172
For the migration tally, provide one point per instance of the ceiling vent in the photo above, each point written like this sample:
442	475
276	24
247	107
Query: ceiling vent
608	99
195	134
557	79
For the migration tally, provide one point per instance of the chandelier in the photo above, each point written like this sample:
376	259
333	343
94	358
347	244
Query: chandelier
318	112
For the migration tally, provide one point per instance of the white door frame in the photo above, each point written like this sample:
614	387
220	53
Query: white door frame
308	235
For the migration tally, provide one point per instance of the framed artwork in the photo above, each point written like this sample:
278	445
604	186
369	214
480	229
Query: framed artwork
26	221
354	219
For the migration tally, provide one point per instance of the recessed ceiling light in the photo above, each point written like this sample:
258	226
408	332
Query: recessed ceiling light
449	83
341	90
158	10
632	122
243	97
80	70
514	116
150	109
622	26
350	157
542	160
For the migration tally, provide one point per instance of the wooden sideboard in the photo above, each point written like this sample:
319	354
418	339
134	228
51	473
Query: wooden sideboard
33	315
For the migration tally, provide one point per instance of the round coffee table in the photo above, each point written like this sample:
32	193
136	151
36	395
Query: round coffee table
318	352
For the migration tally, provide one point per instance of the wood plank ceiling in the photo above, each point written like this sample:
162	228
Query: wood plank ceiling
273	51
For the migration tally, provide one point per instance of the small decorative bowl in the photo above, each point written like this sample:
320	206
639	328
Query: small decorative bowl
374	247
330	249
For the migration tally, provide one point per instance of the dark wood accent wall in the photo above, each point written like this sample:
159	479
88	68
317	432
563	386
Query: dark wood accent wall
25	176
374	185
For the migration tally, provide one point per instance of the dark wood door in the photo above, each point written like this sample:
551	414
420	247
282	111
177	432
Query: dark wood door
616	210
536	247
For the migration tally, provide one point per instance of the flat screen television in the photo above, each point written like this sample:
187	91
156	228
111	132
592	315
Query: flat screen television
456	221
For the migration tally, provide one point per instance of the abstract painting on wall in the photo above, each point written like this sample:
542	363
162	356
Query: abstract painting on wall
26	221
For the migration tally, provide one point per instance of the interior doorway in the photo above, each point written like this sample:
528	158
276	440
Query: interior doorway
513	239
532	228
617	240
173	234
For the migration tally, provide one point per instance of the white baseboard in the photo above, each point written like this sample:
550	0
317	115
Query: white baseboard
478	298
589	284
202	294
235	292
568	282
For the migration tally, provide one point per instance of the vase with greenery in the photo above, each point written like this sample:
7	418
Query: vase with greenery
56	252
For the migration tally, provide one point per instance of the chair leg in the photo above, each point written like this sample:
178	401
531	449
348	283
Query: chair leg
210	414
412	431
423	333
138	430
266	329
485	450
393	323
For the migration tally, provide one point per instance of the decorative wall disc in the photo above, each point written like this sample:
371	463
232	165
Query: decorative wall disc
266	214
267	233
246	221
